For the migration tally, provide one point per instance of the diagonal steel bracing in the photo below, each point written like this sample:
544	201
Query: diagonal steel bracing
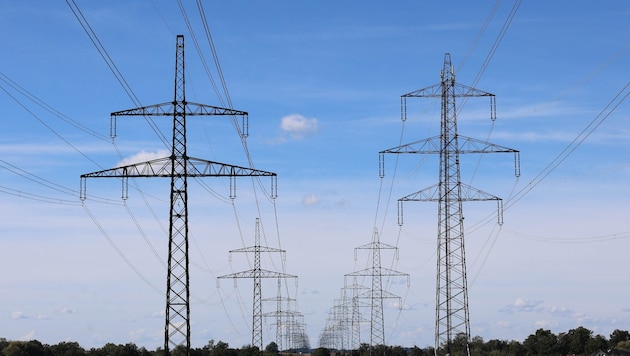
257	274
452	315
178	167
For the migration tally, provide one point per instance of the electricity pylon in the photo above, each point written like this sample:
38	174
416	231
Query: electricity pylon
178	167
376	294
280	314
257	274
451	312
356	318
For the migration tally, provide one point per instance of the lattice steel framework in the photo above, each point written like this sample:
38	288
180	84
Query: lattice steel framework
178	167
376	293
452	314
257	274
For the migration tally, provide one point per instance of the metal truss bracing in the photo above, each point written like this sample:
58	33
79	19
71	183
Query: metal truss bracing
452	314
257	274
178	167
376	294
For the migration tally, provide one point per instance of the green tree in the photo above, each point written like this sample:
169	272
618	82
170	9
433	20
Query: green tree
575	340
25	348
321	351
618	336
543	342
271	349
249	350
416	351
596	343
624	345
67	349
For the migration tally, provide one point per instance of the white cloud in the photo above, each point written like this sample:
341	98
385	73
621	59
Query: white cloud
298	126
560	311
66	311
545	324
158	314
18	315
522	305
142	156
29	336
310	199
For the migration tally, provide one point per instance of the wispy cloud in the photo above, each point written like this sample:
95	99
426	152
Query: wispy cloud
142	156
67	311
521	305
310	199
560	311
297	126
28	336
16	315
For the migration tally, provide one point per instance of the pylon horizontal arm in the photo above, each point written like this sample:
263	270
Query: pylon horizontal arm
252	273
167	109
257	248
435	91
432	145
468	193
372	271
161	167
189	109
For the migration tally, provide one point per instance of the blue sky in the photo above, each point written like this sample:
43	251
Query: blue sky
322	83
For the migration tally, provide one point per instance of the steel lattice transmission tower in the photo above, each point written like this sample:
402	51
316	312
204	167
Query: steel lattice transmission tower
452	315
178	167
257	274
376	293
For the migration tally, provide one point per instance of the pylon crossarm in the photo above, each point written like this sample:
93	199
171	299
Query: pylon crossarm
252	273
373	245
427	145
188	109
384	295
162	167
203	168
257	248
167	109
473	145
435	91
427	194
462	90
470	193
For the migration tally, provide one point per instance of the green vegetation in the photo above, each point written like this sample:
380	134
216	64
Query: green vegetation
578	341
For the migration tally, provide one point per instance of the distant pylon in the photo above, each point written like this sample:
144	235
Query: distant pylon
452	315
257	274
280	314
178	167
376	294
356	319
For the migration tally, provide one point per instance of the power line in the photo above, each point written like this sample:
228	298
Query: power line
112	65
119	251
50	109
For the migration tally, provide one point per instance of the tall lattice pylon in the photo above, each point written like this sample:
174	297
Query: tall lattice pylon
178	167
257	274
376	293
452	314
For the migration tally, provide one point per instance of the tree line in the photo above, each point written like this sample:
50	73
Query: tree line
578	341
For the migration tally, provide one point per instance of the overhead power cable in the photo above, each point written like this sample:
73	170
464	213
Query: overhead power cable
50	109
119	251
596	122
479	35
497	41
112	65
